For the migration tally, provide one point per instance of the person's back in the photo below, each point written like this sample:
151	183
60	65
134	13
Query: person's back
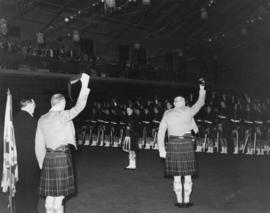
179	120
25	128
55	131
179	153
55	127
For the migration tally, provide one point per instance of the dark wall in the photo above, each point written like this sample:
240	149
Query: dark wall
41	87
30	86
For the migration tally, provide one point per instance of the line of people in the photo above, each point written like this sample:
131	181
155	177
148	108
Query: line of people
234	124
109	128
116	125
228	123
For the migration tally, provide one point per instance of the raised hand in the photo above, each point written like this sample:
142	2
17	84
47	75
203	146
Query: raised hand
202	83
85	80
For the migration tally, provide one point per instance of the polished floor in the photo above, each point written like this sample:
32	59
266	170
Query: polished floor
226	183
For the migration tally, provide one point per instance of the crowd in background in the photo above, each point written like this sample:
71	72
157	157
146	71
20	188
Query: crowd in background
70	59
60	59
73	58
228	123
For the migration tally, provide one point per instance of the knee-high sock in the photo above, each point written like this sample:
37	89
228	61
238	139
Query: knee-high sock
177	187
132	160
129	159
187	188
49	204
58	204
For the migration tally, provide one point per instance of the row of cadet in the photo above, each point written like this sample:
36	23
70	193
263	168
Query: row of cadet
228	123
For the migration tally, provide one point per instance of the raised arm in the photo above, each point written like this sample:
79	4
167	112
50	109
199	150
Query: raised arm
200	102
68	115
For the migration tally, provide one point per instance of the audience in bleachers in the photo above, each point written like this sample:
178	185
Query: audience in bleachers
63	59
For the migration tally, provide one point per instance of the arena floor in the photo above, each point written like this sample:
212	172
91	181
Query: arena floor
226	183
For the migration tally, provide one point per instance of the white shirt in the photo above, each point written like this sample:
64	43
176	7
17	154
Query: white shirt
179	120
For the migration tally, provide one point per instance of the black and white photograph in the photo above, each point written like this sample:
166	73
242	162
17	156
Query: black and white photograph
134	106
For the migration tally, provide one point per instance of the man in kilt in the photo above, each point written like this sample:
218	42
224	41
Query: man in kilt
55	131
179	152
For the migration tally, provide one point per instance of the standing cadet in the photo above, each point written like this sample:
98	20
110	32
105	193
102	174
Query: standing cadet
222	126
258	129
209	122
235	127
114	129
179	153
248	121
93	127
146	130
130	143
155	124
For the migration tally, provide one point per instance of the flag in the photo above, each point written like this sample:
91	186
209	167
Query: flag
10	166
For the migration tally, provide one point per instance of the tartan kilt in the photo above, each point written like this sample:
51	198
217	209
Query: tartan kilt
57	178
130	143
180	158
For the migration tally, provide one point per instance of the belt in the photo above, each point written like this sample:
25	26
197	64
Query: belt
222	116
235	120
248	122
146	122
186	135
62	148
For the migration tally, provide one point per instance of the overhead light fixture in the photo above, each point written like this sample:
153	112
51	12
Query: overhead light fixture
110	3
146	2
204	14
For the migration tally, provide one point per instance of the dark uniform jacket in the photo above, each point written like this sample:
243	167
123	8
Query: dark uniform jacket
25	129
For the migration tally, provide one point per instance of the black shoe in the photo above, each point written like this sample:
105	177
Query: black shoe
187	205
179	205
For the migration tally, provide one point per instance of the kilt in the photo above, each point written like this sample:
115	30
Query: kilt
180	157
130	140
57	178
130	143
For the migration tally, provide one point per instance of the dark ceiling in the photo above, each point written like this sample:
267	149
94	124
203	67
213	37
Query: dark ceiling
161	26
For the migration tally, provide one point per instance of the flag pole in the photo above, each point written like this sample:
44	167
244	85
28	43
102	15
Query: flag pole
10	192
10	160
10	166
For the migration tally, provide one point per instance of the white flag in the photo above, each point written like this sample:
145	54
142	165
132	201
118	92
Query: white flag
10	166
